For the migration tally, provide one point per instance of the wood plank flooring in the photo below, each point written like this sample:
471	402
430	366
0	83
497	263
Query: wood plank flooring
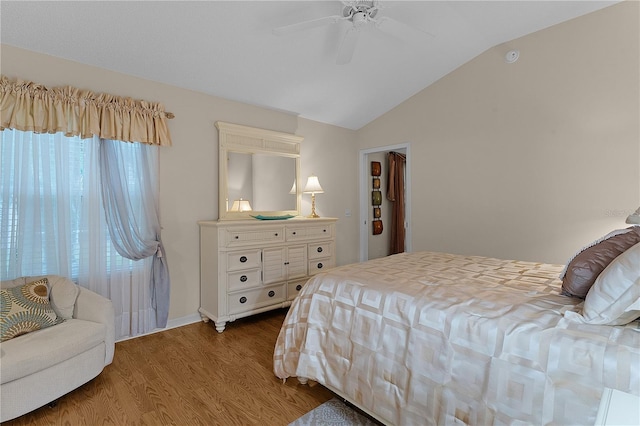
190	375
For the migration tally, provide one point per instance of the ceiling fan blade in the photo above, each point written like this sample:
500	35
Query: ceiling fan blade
288	29
400	30
348	46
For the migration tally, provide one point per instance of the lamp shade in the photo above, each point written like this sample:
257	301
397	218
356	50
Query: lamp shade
634	218
241	206
313	185
293	188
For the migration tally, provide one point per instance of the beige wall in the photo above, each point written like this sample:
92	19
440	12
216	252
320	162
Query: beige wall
331	153
189	169
529	160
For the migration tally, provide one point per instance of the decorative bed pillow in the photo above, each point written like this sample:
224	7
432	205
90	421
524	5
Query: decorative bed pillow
581	272
614	298
26	308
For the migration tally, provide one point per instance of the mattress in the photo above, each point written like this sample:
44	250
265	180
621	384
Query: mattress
436	338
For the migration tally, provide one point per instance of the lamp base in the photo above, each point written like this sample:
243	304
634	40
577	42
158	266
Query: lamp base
313	214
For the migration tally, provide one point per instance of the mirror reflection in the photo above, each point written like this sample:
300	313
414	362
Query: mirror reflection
263	180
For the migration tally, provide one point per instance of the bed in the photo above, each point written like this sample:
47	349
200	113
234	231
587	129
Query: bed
434	338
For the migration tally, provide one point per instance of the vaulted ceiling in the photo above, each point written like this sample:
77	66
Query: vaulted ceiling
228	48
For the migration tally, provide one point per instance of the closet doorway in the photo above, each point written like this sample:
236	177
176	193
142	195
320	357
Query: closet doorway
374	246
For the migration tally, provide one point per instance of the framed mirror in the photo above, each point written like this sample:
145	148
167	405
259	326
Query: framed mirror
258	172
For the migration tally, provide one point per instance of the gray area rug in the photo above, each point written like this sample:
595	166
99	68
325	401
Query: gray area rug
333	412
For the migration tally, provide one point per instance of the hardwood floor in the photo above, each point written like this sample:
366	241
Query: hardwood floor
190	375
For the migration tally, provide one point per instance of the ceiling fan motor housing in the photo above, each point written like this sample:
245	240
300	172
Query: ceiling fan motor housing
360	12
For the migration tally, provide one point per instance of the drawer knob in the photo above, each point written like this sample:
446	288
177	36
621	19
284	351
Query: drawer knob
236	237
243	299
243	259
319	250
243	278
324	230
272	293
276	234
294	232
299	287
320	265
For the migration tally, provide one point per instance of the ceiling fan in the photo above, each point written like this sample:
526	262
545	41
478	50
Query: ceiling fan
359	14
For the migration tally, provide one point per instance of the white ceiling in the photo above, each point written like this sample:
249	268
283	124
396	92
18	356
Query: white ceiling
227	48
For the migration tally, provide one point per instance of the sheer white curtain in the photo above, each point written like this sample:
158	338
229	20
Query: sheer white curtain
52	221
129	196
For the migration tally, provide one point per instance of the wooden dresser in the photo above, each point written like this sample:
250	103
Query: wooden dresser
252	266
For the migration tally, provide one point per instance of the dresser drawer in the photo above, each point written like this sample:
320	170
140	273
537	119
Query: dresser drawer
320	265
320	250
243	301
293	288
243	279
301	233
245	259
242	237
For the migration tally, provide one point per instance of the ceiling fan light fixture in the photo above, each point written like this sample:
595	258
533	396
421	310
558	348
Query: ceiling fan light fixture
359	19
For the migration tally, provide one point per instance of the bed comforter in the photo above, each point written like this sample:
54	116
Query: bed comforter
431	338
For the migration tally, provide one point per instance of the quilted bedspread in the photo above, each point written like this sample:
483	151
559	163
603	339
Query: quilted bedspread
432	338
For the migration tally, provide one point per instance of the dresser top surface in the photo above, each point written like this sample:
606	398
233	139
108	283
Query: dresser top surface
299	220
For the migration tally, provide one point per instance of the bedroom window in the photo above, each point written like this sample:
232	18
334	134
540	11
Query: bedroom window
85	205
52	220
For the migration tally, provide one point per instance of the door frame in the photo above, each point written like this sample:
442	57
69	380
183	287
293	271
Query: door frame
365	196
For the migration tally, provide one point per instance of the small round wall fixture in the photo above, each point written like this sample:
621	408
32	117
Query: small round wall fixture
511	56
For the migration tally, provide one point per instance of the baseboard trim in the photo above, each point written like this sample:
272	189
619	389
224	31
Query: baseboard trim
172	323
179	322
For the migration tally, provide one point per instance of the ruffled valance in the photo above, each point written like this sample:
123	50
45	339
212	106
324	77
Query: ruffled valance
28	106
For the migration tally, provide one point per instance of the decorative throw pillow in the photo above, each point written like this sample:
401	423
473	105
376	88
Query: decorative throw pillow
614	299
584	268
63	295
26	308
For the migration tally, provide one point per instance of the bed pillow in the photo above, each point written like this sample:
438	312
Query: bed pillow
614	298
26	308
581	272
